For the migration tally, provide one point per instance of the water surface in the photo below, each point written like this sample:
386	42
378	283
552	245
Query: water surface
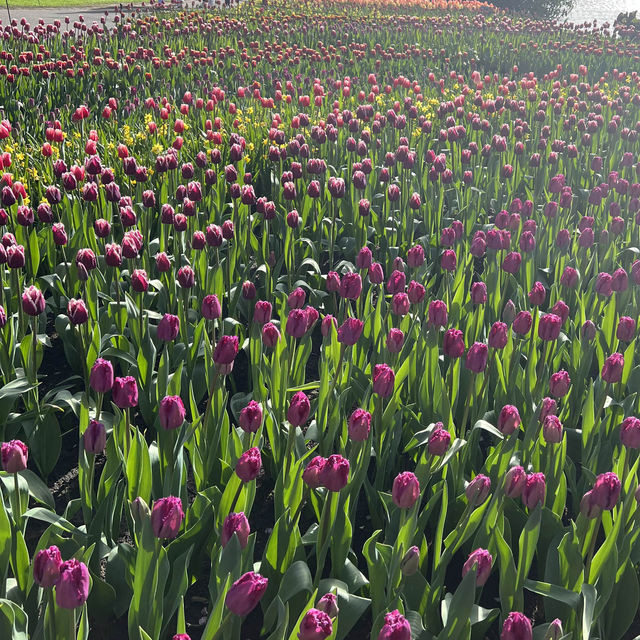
602	10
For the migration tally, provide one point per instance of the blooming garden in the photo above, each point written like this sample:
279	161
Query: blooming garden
319	320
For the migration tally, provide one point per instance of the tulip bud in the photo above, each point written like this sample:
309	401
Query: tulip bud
612	368
406	490
410	562
46	567
249	465
515	481
453	343
95	437
395	627
626	329
534	490
33	301
479	293
297	298
396	283
383	380
211	309
559	384
439	441
606	491
270	335
168	328
333	282
315	625
262	312
139	280
498	335
235	523
516	627
477	491
508	420
226	350
296	325
311	474
364	259
376	275
329	604
588	508
552	429
476	360
449	260
359	425
554	632
395	340
482	559
171	412
101	376
245	593
415	256
334	473
167	517
125	392
549	327
538	294
14	455
630	432
350	331
437	313
588	330
72	588
250	417
299	408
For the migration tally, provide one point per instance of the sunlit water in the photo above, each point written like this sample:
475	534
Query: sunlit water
602	10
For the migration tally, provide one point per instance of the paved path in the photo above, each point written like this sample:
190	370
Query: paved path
49	14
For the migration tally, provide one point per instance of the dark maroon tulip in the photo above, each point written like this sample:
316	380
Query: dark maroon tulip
166	517
125	392
406	490
14	455
334	473
299	408
245	593
249	465
235	523
612	368
46	567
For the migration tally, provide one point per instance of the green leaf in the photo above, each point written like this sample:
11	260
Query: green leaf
13	621
296	579
456	609
38	489
527	544
40	513
570	598
215	617
589	595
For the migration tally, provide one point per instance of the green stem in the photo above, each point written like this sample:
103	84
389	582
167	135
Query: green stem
17	506
224	622
235	498
127	434
592	547
323	536
467	404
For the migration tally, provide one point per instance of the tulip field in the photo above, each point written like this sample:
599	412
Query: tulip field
318	320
